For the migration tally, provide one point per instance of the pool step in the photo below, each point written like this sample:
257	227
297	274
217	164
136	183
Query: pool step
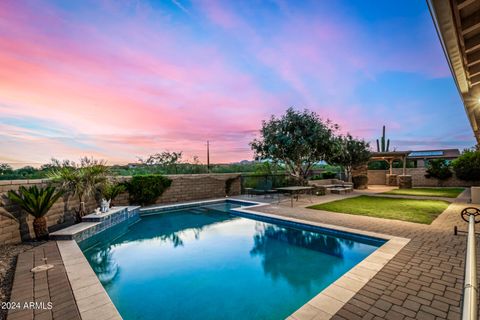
96	223
199	210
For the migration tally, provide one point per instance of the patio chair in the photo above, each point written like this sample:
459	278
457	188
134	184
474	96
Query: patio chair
264	187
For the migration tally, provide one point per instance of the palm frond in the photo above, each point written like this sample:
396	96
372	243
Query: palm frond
35	201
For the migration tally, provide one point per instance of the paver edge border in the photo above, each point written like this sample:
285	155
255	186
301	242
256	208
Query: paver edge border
85	284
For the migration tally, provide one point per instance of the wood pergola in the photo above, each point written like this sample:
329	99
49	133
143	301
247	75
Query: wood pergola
389	157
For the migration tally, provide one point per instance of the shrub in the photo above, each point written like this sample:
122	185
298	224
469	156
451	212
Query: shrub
111	190
467	166
228	185
328	175
324	175
319	191
360	181
438	168
146	189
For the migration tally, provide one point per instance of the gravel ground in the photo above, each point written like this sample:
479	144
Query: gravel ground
8	258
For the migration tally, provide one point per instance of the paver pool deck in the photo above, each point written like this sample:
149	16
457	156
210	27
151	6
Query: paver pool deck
423	281
43	287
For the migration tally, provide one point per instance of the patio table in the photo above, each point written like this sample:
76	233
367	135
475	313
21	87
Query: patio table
294	191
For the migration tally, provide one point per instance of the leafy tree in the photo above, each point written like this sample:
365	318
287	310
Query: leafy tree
81	180
56	164
350	153
467	166
37	202
378	165
296	139
439	169
266	168
25	171
383	165
164	159
5	168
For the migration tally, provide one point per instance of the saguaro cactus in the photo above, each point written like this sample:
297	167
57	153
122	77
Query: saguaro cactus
381	145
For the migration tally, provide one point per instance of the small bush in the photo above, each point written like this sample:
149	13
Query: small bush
438	168
324	175
111	190
319	191
328	175
228	185
467	166
146	189
360	181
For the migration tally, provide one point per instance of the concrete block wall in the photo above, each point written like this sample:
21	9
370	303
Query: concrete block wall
360	170
183	188
418	178
377	177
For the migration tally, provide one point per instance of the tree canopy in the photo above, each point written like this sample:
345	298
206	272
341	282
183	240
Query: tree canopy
5	168
298	139
164	159
438	168
467	166
350	153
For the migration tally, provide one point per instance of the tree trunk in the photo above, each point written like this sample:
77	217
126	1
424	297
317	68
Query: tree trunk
347	174
81	211
302	180
40	228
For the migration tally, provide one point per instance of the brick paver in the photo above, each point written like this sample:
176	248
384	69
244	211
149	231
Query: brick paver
43	287
423	281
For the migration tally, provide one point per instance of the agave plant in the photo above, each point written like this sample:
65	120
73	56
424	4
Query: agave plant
37	202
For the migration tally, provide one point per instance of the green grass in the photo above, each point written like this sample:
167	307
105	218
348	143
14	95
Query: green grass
428	192
413	210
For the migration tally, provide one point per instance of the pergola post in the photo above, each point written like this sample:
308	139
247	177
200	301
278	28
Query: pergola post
389	157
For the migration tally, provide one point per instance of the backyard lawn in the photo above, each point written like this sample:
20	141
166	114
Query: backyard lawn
428	192
413	210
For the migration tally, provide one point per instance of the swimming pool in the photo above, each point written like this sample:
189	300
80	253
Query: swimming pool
210	262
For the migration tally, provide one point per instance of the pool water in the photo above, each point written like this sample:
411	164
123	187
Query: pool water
209	263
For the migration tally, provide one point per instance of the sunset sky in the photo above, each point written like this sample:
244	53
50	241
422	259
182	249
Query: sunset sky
123	79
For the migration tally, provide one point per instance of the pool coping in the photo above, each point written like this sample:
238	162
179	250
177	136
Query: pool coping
94	302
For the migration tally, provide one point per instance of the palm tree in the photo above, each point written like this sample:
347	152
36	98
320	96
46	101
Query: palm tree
82	181
37	202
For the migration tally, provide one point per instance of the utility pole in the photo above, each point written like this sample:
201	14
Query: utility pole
208	156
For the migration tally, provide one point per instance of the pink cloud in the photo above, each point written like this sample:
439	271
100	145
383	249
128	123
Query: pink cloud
128	79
